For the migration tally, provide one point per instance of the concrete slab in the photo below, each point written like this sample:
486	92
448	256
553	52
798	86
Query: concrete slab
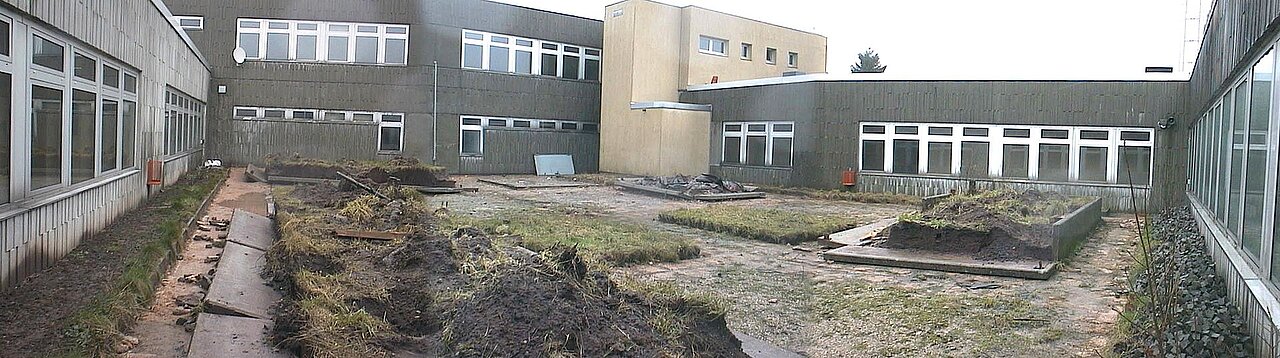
251	230
856	235
756	348
232	337
533	184
238	287
925	260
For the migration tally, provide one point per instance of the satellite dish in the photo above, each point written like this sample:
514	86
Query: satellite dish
238	55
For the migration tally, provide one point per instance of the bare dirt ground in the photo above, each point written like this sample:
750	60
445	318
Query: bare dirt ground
793	298
157	331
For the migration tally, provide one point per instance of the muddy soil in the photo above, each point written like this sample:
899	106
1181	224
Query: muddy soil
159	335
34	316
1004	226
408	171
773	289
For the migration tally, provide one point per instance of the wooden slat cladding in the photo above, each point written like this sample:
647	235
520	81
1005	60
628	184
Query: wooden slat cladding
1238	32
249	141
512	151
1114	197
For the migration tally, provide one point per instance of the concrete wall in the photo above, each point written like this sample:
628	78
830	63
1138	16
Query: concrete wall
700	67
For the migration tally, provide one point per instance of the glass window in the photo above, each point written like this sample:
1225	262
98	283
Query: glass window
770	55
472	56
249	42
1054	161
389	138
6	127
494	122
396	51
939	158
591	70
732	150
545	124
4	50
940	131
781	152
83	135
550	64
906	156
472	121
366	49
335	116
397	30
307	47
712	45
86	67
793	59
362	117
471	142
277	46
873	155
191	23
46	137
277	25
1017	133
128	127
46	53
1135	136
1135	162
273	113
338	48
499	58
1255	187
1055	134
974	159
1093	164
130	83
472	35
1017	161
870	129
746	51
304	115
975	132
110	76
569	125
1094	135
308	26
906	130
524	62
590	127
520	124
570	67
756	149
1239	125
245	113
110	120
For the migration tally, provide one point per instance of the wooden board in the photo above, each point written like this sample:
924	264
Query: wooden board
371	235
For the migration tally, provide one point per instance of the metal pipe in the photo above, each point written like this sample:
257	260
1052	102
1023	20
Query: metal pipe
435	81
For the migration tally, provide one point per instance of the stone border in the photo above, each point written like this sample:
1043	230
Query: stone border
940	262
1072	229
632	183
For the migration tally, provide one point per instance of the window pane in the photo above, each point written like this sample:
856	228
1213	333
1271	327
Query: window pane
130	83
1017	133
1240	123
249	42
1054	159
472	56
277	46
873	155
6	127
110	77
570	67
363	117
4	50
1135	160
46	53
366	49
975	132
335	116
592	70
306	47
782	152
46	137
1054	134
549	64
110	120
939	158
396	51
126	136
83	134
389	138
337	48
499	58
974	159
524	62
1094	135
873	129
1255	187
1093	164
1017	161
304	115
273	113
940	131
733	150
86	68
471	142
906	130
906	156
756	150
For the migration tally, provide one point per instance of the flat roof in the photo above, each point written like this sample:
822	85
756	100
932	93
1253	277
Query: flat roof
881	77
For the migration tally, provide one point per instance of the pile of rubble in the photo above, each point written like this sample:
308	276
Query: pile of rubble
699	185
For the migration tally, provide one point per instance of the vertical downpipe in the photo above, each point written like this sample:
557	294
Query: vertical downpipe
435	82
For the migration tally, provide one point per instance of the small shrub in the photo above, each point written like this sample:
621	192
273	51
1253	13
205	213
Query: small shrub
770	225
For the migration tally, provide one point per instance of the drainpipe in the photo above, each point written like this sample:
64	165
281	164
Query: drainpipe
435	82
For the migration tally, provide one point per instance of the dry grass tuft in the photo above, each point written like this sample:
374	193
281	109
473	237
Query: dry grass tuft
770	225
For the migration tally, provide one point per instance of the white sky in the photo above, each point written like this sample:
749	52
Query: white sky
996	39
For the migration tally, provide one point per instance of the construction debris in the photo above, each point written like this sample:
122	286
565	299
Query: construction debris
371	235
702	184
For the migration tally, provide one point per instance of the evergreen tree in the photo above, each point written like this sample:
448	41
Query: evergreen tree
868	62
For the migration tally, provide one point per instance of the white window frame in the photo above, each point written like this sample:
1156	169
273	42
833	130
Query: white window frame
770	56
745	51
793	59
711	43
463	128
323	31
177	21
486	43
384	123
770	135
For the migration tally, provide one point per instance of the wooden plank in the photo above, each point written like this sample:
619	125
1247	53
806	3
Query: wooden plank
917	259
371	235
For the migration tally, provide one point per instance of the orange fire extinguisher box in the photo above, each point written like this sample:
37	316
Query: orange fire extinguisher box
849	177
155	172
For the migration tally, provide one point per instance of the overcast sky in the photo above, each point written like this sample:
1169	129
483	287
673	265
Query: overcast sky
1043	39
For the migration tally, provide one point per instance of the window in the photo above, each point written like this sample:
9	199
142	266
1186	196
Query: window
306	41
746	51
472	137
873	155
793	59
974	159
1093	164
184	120
110	135
273	113
128	127
940	131
85	67
711	45
906	129
130	83
906	156
513	54
761	143
190	23
939	158
391	133
770	55
46	137
975	132
1017	133
1094	135
1239	125
362	117
335	116
1255	165
304	114
547	124
6	128
1054	162
870	129
245	113
1055	134
1135	164
4	50
1017	161
47	54
110	76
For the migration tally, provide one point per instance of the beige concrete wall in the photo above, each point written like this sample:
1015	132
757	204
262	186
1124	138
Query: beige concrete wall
812	48
686	135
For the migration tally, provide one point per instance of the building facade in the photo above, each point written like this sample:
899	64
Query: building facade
476	86
92	92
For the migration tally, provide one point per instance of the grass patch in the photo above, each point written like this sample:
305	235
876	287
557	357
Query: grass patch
615	242
770	225
92	330
843	195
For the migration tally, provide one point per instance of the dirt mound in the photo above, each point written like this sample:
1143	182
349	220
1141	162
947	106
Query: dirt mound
468	295
402	170
998	225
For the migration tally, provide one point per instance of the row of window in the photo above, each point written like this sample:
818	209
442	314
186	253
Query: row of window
183	122
321	41
719	47
1233	165
472	128
1042	153
511	54
78	119
390	125
758	143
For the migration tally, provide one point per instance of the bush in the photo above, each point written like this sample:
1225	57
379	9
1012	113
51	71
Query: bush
769	225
